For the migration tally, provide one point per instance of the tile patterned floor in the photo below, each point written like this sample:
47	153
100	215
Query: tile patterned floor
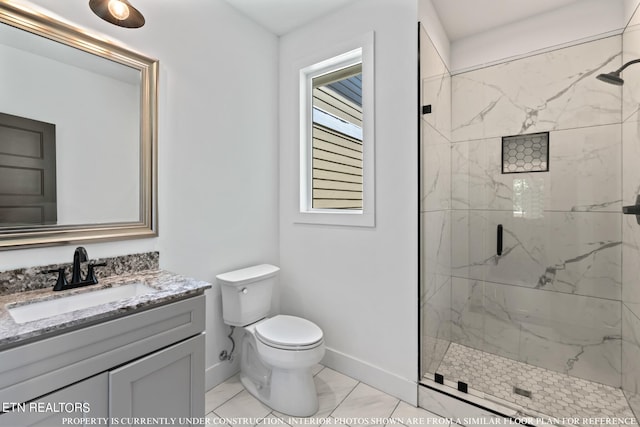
343	402
553	394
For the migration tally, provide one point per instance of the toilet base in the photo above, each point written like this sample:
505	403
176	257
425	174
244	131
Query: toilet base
281	379
291	392
288	390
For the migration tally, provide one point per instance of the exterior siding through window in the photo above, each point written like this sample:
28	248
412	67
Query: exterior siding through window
337	146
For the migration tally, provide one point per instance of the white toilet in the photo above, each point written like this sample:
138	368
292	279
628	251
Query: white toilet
277	353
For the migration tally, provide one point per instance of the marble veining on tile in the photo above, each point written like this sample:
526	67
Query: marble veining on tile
568	252
537	327
630	357
435	204
436	171
579	178
549	91
436	88
436	235
552	301
435	303
631	87
630	227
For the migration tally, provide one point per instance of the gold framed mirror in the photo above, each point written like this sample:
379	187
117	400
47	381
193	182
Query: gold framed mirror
96	178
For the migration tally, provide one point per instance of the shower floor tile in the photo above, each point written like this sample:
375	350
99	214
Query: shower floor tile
552	393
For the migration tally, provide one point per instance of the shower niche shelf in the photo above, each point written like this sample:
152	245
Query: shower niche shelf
525	153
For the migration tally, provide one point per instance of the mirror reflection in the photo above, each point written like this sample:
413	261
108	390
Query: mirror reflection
78	126
69	135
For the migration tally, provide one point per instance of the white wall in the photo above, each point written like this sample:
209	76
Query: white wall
360	284
430	20
218	194
630	7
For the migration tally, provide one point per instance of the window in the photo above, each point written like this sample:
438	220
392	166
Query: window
336	138
336	134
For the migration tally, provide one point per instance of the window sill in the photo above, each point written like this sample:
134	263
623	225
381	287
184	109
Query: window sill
331	217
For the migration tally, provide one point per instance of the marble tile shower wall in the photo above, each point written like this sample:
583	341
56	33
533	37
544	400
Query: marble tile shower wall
435	206
630	227
552	299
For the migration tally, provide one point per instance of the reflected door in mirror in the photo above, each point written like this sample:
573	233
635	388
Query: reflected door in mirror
27	172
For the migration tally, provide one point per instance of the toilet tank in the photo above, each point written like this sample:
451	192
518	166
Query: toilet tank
246	294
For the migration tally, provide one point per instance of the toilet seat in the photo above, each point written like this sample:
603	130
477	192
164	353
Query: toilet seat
289	333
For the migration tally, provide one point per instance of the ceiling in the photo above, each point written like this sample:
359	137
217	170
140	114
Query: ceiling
460	18
463	18
282	16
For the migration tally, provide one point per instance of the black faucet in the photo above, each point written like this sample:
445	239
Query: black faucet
79	256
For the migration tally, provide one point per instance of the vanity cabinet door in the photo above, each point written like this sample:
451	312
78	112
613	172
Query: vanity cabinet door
86	399
166	384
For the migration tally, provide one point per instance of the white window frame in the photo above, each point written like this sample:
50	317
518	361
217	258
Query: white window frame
360	49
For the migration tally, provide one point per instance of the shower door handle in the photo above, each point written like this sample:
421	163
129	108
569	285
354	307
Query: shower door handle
633	209
499	240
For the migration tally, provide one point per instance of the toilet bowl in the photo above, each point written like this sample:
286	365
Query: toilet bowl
285	382
276	353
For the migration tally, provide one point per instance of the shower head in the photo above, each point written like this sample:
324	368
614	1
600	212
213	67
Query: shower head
614	76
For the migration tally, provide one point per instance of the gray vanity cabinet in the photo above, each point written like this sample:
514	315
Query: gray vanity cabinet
146	364
92	393
161	385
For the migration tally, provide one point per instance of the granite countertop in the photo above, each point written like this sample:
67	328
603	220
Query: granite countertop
170	287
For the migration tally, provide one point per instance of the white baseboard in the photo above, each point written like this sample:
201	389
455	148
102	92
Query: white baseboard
219	372
367	373
374	376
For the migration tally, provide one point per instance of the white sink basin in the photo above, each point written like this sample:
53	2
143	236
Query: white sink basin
41	310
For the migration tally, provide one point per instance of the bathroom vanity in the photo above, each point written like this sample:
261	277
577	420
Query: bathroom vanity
140	356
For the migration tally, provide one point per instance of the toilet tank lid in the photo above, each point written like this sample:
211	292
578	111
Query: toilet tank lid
247	275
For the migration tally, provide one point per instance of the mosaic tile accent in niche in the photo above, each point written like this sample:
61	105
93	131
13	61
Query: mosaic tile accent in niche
525	153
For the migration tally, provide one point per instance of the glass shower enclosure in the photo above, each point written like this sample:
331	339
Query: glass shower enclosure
530	272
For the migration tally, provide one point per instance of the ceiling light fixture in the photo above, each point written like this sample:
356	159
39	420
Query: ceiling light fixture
117	12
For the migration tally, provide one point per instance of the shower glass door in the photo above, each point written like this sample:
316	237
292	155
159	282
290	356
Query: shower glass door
522	294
